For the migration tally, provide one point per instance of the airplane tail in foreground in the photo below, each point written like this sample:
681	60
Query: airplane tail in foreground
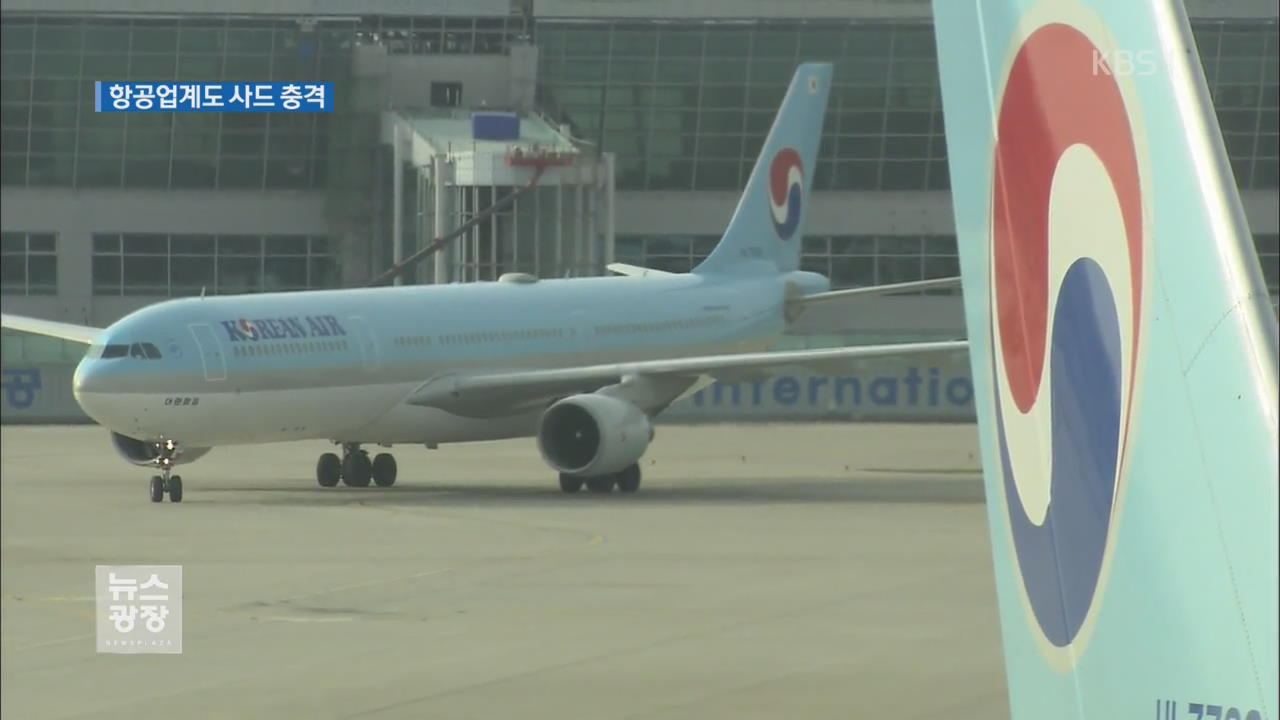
766	230
1124	355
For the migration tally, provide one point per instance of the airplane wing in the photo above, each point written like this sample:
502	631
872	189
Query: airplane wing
50	328
501	392
634	270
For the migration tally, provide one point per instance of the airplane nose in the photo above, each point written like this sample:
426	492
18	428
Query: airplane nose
88	386
85	380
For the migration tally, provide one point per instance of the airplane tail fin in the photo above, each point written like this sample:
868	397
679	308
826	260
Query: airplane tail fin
765	232
1124	361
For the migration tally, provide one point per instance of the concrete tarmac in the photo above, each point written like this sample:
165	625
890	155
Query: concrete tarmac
766	571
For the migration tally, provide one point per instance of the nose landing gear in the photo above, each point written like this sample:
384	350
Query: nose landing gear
166	481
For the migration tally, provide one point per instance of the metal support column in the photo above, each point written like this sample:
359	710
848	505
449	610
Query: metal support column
423	218
592	207
579	210
441	225
609	194
397	199
559	256
537	232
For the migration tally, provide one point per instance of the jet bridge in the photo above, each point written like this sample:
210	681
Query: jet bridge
452	169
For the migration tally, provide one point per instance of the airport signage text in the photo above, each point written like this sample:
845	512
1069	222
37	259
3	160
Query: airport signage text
171	97
20	386
911	388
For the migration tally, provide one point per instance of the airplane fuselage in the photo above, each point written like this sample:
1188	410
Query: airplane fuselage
339	364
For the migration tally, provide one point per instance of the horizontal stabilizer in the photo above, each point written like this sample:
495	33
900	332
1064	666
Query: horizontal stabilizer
877	290
634	270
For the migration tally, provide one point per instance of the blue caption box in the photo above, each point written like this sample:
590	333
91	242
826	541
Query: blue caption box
169	97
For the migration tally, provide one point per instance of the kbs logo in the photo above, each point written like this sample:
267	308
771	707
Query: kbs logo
1125	63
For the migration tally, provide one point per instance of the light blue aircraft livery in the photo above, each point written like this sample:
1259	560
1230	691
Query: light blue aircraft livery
582	364
1124	352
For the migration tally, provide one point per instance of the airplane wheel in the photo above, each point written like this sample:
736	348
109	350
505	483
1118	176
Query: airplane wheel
157	488
384	470
356	469
629	479
570	483
328	470
175	488
602	484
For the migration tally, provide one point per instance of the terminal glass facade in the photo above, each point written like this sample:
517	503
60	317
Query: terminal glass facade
862	260
686	105
172	265
1240	59
404	35
848	260
53	137
1268	245
29	262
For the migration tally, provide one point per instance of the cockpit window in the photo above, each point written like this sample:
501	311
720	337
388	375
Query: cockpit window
141	351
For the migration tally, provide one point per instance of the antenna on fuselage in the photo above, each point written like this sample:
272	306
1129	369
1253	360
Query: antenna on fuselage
202	289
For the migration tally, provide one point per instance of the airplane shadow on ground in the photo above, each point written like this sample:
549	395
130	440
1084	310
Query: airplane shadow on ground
748	491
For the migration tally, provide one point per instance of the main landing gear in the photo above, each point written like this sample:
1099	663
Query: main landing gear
166	481
355	469
627	480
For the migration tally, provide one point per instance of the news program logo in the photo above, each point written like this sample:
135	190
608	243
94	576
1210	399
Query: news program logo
139	608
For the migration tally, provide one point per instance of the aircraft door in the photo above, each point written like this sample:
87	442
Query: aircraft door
369	356
215	363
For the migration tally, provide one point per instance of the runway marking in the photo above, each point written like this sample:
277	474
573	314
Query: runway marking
288	618
976	472
51	598
705	631
594	541
59	641
356	586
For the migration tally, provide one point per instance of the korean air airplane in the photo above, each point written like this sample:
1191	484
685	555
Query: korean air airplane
1124	355
582	364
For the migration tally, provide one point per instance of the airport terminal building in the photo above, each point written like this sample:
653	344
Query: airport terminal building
639	122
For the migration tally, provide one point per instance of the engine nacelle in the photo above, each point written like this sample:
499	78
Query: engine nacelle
593	434
141	452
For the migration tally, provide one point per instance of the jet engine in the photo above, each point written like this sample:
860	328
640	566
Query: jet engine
142	452
592	435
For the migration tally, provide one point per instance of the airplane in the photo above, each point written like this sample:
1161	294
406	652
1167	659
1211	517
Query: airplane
581	364
1124	359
